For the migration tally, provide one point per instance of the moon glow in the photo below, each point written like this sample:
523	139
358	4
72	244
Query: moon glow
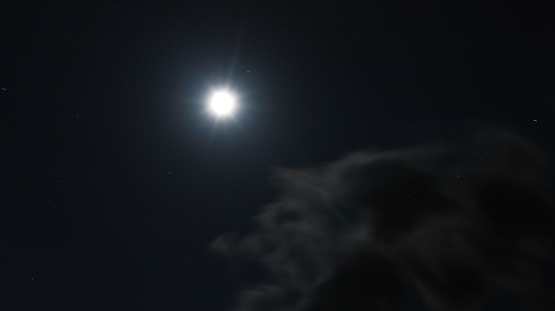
222	104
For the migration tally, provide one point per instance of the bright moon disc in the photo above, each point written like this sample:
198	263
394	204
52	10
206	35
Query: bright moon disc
222	104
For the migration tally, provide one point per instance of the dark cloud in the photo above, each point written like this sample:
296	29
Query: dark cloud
446	227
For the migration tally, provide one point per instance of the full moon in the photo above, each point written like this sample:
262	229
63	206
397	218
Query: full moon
222	104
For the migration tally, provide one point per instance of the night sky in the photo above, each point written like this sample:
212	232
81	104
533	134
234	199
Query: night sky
384	155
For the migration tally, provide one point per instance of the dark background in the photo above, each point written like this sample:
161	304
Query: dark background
115	181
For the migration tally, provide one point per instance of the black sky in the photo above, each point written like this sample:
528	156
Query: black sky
116	184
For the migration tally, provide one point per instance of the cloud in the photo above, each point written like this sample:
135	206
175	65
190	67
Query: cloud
446	227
